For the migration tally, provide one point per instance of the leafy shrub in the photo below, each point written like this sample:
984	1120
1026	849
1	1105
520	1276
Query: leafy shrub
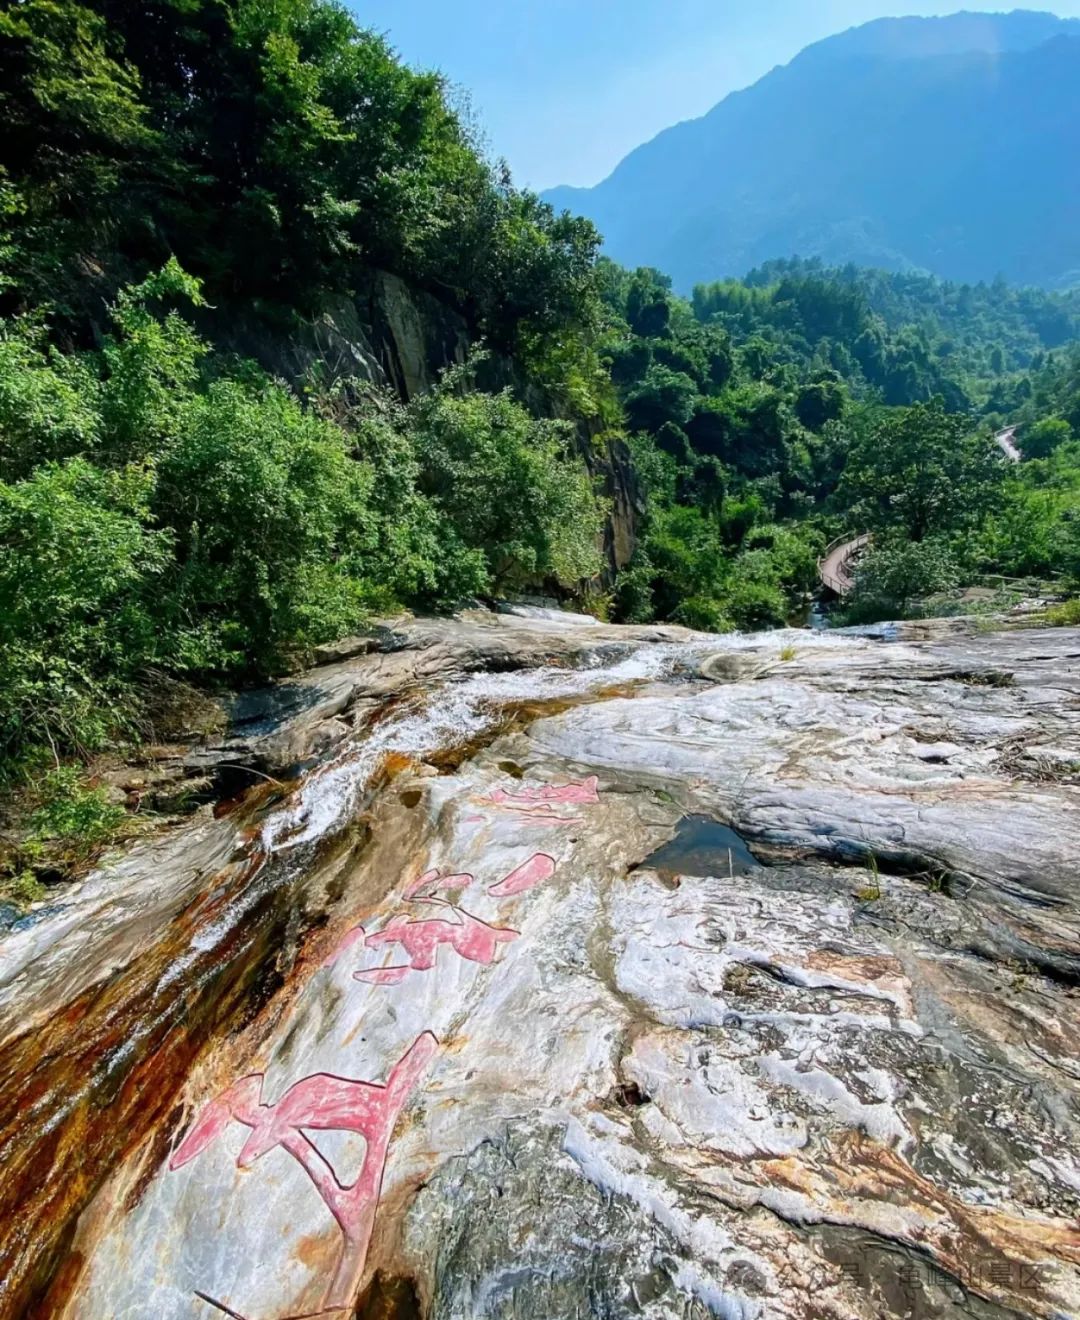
634	591
73	813
753	595
513	505
68	821
79	567
1065	615
687	558
150	364
272	528
894	573
793	554
48	402
702	613
22	887
1041	439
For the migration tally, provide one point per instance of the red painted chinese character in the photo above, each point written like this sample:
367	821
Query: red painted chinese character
581	792
539	803
468	936
321	1102
434	880
538	868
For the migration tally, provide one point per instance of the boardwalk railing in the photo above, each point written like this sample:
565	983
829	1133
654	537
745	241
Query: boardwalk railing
835	567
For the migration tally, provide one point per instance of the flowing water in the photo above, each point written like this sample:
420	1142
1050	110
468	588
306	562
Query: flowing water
462	711
236	946
451	716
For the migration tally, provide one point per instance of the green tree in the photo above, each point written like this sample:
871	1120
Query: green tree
648	311
820	402
74	125
151	365
272	528
663	396
689	564
672	440
759	441
753	596
628	361
893	573
1043	437
922	471
720	357
513	504
1066	547
49	401
79	574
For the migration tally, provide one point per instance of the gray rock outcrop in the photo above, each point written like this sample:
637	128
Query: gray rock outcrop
587	972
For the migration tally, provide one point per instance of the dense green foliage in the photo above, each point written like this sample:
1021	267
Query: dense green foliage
166	169
894	573
275	150
168	508
157	517
905	336
921	472
778	412
730	443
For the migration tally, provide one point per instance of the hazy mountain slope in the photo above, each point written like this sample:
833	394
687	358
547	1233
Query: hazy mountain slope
950	144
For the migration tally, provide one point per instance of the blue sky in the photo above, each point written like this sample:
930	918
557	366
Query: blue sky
565	88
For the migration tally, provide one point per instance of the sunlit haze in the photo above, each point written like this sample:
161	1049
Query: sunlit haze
565	88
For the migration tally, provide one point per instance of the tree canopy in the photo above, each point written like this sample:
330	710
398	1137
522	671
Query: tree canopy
923	471
275	150
180	177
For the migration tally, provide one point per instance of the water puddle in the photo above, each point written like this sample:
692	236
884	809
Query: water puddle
13	919
703	847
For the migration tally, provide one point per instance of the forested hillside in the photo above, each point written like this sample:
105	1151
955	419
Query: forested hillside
940	144
906	335
171	171
238	243
770	415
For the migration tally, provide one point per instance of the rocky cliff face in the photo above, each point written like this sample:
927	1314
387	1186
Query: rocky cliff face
400	338
388	334
584	971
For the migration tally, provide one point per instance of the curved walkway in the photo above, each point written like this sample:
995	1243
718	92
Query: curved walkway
1006	442
836	567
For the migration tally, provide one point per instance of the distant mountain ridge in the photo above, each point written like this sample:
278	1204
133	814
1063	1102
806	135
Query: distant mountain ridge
944	144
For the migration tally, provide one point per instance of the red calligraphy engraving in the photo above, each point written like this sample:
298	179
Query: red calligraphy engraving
538	868
321	1102
432	881
583	792
468	936
348	941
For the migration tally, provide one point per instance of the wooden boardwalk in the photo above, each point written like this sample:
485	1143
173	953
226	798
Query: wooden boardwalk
836	567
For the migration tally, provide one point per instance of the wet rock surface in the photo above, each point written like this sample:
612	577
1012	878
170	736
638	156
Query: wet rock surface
587	971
